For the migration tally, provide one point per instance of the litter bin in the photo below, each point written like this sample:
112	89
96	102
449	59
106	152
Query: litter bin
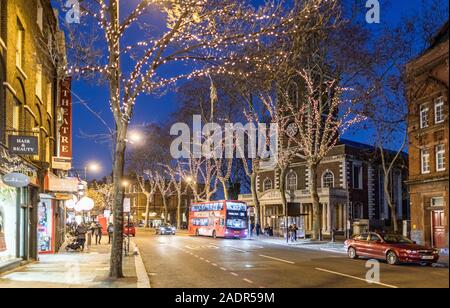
360	226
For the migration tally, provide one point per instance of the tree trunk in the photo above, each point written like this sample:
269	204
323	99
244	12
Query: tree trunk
118	169
258	216
165	208
147	210
179	212
388	197
316	203
283	199
225	189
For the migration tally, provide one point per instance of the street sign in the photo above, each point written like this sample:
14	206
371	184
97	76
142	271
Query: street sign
126	205
16	180
62	163
23	145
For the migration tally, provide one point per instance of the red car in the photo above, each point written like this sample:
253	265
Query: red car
393	248
129	230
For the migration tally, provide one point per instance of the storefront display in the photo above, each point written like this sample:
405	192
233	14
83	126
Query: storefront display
45	226
8	223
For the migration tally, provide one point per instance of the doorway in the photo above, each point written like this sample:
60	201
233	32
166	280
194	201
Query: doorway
438	229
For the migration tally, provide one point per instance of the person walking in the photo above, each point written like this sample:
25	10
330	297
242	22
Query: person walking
258	229
80	233
252	228
110	231
294	232
98	234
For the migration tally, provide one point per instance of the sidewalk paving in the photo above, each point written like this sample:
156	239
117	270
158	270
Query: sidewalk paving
87	269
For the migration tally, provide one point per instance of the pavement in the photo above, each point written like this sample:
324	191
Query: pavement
87	269
201	262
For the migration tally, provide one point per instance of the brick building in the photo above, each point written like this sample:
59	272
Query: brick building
350	183
428	142
29	40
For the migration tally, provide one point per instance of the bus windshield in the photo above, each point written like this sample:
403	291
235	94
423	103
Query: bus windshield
236	215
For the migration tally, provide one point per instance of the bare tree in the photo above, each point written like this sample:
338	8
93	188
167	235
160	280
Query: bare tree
195	30
179	188
148	186
164	185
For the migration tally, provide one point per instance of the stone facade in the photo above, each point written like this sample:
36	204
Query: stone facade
428	143
345	197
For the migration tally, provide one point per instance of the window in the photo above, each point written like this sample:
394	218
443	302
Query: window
424	116
16	115
437	201
39	81
20	40
440	158
357	177
358	211
291	181
362	237
40	15
425	161
439	110
267	184
328	179
47	150
49	98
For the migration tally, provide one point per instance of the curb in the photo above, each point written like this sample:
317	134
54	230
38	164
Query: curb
143	282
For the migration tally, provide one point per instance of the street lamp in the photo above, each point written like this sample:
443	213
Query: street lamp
135	137
94	167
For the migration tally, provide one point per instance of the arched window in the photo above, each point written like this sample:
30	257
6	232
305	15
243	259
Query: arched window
328	179
291	181
267	184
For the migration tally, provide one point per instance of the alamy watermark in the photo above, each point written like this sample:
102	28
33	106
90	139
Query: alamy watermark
373	13
73	11
233	140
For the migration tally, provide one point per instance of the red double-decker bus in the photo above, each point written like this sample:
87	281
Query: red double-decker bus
226	219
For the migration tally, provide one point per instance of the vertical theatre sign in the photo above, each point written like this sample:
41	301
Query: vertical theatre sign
65	121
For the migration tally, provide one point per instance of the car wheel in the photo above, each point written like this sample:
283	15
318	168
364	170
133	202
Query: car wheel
391	258
352	253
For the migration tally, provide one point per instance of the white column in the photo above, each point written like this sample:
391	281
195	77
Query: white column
329	217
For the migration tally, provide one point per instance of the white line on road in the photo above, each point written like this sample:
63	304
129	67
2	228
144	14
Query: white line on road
237	249
234	274
223	268
208	261
213	264
247	280
357	278
281	260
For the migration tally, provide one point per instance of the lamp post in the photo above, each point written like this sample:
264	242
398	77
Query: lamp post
126	184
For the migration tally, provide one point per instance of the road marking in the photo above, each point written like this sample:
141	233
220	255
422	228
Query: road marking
201	258
247	280
189	247
213	264
281	260
237	249
208	261
223	268
357	278
234	274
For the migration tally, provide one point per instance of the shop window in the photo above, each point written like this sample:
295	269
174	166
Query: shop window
16	115
8	223
49	98
39	81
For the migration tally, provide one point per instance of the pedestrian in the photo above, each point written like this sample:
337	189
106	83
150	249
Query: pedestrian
81	235
289	233
294	232
98	234
252	228
92	228
258	229
110	231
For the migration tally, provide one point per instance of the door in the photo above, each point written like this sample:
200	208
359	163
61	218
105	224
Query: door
438	232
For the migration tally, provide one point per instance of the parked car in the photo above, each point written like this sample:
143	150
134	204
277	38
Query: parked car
166	229
393	248
129	230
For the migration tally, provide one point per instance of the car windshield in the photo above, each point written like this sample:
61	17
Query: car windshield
396	239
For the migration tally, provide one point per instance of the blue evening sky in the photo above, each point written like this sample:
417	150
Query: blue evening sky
158	109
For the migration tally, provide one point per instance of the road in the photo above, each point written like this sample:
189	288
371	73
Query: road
183	261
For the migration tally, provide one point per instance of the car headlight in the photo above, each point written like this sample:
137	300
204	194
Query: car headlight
436	251
411	251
